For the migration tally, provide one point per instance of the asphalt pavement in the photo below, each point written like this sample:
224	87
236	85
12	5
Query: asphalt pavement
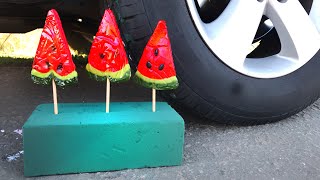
289	149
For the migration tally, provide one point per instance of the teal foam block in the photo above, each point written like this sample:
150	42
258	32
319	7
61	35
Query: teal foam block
83	138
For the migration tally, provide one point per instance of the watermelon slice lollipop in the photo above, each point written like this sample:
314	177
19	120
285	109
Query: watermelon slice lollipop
107	58
156	69
53	60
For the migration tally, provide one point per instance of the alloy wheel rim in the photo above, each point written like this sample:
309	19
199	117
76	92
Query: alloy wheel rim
230	36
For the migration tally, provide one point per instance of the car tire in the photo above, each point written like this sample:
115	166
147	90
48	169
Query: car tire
208	87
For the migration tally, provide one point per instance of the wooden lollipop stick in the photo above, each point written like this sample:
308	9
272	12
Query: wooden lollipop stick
153	100
55	99
108	96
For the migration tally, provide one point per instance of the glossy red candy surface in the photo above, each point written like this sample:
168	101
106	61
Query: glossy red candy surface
157	61
53	51
107	53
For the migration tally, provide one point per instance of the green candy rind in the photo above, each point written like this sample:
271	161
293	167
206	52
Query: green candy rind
126	77
161	84
122	75
42	81
47	81
46	78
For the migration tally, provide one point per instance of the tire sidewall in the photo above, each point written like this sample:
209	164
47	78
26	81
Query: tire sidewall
219	85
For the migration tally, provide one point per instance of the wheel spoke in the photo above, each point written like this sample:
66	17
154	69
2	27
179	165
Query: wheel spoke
201	2
299	37
231	35
315	13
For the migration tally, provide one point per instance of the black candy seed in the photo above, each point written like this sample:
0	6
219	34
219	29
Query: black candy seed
59	66
101	56
148	64
48	64
161	67
156	52
53	48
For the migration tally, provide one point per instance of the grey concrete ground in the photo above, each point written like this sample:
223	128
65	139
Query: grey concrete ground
285	150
